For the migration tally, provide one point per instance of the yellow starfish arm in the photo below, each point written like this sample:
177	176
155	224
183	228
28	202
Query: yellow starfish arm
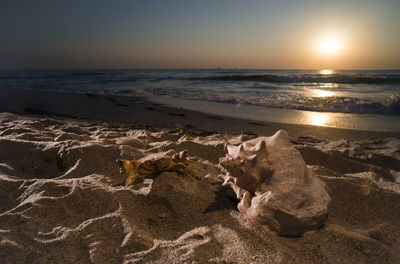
131	178
162	164
128	166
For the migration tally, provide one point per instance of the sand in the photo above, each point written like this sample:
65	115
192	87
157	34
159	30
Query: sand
63	199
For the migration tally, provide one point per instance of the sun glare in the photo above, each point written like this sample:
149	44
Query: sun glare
322	93
318	119
326	72
330	45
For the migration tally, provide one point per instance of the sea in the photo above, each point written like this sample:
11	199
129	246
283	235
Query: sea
363	100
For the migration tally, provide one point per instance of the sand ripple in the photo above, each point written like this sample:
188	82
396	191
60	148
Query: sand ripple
63	200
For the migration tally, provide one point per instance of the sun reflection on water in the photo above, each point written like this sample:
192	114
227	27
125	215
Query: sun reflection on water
318	119
326	72
328	85
322	93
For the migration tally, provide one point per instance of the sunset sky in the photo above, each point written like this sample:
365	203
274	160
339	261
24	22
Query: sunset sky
351	34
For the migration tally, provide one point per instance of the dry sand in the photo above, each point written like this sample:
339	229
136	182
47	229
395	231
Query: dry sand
63	200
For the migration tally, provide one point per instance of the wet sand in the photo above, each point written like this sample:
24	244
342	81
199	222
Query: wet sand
133	110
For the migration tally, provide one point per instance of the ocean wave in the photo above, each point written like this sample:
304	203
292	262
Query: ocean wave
310	78
122	80
28	77
327	104
35	75
85	73
336	104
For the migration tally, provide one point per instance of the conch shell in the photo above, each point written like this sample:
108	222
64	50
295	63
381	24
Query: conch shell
277	191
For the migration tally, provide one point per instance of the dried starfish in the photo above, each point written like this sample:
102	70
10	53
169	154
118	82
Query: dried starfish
140	169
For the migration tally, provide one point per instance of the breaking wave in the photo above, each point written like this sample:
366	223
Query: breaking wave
319	78
336	104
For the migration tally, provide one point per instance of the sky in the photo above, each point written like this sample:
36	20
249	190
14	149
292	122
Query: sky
128	34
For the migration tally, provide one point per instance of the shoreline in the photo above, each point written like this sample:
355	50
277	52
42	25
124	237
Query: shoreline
340	120
134	110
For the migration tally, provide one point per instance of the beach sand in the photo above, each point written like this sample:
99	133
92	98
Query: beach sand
64	200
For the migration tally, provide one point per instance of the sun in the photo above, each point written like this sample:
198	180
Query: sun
330	45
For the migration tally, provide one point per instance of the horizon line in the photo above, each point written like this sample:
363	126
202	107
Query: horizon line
199	68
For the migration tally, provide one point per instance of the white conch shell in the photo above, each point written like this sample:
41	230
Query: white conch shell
276	189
